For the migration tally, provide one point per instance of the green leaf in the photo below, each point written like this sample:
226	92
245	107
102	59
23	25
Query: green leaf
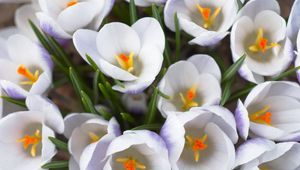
226	91
59	144
156	14
56	165
152	107
118	82
92	62
75	81
148	127
106	115
241	92
232	70
286	74
177	36
41	37
127	117
164	95
132	12
95	86
14	101
87	102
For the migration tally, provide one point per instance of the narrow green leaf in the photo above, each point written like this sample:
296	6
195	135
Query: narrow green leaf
118	82
56	165
232	70
14	101
59	144
286	74
132	12
152	107
41	37
242	92
226	91
95	86
127	117
106	115
177	36
59	64
148	127
164	95
92	62
156	14
87	102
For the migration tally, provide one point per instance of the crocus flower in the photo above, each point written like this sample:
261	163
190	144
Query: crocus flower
268	51
272	111
132	55
27	69
145	3
259	153
207	21
136	150
135	103
191	83
293	25
89	136
201	139
61	18
24	135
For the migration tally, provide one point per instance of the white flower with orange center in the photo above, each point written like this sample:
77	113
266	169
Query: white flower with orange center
207	21
136	150
61	18
145	3
89	136
191	83
271	111
24	135
26	68
263	154
199	137
260	34
132	55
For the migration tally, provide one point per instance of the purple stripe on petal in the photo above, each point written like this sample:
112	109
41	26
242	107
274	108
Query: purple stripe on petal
46	56
47	28
11	92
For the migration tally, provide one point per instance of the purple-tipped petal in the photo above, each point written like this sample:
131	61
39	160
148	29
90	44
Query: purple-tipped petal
242	120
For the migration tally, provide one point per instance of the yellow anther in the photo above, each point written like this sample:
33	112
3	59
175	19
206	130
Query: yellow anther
32	78
130	163
206	15
126	61
94	137
261	43
188	98
71	3
31	140
197	145
262	116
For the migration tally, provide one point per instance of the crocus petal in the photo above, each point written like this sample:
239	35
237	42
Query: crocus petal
253	7
293	24
210	89
41	85
206	64
14	1
172	7
297	61
13	90
142	3
8	107
209	38
242	120
252	149
150	32
73	165
265	131
108	5
8	31
48	148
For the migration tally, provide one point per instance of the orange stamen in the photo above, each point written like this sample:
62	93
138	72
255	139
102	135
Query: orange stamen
197	145
261	43
31	140
126	61
71	3
130	164
207	15
22	70
262	116
188	99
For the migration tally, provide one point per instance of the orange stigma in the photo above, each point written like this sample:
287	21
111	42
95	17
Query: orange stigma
261	43
31	140
130	164
197	145
71	3
126	61
188	99
32	78
206	15
262	116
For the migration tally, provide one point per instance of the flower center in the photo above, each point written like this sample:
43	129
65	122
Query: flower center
32	78
206	15
262	116
71	3
130	163
126	61
188	98
94	138
197	145
31	140
261	43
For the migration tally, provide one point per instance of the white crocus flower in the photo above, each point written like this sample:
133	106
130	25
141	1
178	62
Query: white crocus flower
272	111
61	18
191	83
135	103
89	136
136	150
293	25
145	3
206	20
259	153
132	55
201	138
26	69
24	142
268	50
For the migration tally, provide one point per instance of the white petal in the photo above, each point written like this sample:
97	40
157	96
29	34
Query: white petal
242	120
41	85
108	5
142	3
8	31
73	165
258	93
210	89
209	38
48	148
12	90
150	33
293	24
265	131
171	7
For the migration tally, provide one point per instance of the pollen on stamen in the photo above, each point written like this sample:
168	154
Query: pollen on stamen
262	116
71	3
31	140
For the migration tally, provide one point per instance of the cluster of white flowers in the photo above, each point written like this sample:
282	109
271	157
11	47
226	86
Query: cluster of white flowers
192	130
